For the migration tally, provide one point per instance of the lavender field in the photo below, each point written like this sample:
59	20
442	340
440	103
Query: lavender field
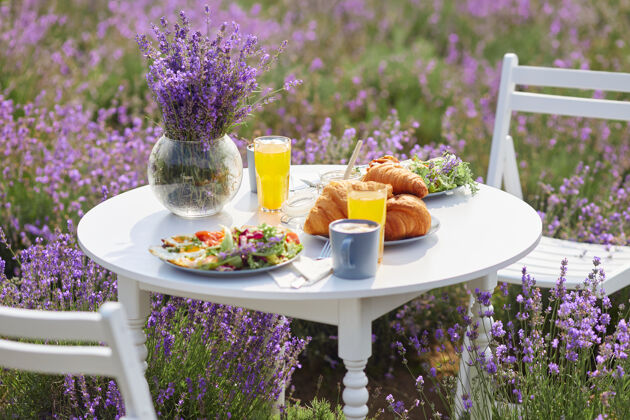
78	121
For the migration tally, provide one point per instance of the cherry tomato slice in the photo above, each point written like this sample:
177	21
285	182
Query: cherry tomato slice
292	237
210	238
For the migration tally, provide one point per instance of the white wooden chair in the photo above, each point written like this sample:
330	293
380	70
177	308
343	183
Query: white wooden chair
544	262
119	360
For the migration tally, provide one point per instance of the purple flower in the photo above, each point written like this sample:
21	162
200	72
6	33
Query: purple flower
439	334
316	64
396	407
467	402
205	87
519	396
497	329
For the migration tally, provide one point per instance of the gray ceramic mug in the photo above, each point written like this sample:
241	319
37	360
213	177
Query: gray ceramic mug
354	245
251	167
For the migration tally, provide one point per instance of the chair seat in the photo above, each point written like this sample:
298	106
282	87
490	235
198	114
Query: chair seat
543	263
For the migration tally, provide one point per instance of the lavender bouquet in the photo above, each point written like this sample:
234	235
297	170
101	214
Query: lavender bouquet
204	88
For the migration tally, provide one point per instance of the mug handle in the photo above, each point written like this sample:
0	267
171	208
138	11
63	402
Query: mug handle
345	252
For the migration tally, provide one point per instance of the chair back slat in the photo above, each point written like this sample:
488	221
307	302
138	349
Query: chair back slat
75	360
570	106
48	325
503	167
119	359
571	79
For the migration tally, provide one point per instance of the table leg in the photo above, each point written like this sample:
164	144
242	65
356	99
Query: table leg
355	347
137	305
467	373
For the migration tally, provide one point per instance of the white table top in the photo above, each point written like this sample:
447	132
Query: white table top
478	235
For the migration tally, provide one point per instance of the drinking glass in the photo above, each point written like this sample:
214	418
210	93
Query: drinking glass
368	201
272	156
336	175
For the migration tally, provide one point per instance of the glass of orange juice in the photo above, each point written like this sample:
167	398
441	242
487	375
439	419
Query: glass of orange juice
368	201
272	156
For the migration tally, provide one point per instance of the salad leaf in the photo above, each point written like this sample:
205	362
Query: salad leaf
209	266
228	240
292	249
254	263
274	259
268	231
270	250
444	173
235	261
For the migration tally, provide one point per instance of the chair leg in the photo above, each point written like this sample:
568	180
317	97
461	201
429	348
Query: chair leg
280	401
469	375
463	380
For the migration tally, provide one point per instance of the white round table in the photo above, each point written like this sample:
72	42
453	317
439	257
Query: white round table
478	235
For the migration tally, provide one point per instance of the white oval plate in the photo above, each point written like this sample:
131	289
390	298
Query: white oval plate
435	226
446	192
236	273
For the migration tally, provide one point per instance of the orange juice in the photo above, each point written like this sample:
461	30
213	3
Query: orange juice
273	161
370	205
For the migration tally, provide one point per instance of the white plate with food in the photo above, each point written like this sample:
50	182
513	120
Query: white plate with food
407	215
230	252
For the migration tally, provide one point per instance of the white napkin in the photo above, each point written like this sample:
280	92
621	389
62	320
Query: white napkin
310	272
283	276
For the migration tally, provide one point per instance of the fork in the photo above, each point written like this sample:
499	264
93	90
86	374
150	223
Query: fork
326	250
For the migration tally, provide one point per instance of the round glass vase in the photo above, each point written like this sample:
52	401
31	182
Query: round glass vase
192	178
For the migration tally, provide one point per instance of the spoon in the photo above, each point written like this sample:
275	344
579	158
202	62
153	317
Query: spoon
353	158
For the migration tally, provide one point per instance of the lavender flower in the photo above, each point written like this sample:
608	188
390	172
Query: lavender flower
205	87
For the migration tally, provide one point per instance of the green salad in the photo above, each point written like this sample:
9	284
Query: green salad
444	173
244	248
257	247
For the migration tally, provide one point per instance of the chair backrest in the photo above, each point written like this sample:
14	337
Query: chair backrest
503	166
119	359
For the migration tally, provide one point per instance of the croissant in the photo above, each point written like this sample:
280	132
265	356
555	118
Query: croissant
331	205
407	216
384	159
402	180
